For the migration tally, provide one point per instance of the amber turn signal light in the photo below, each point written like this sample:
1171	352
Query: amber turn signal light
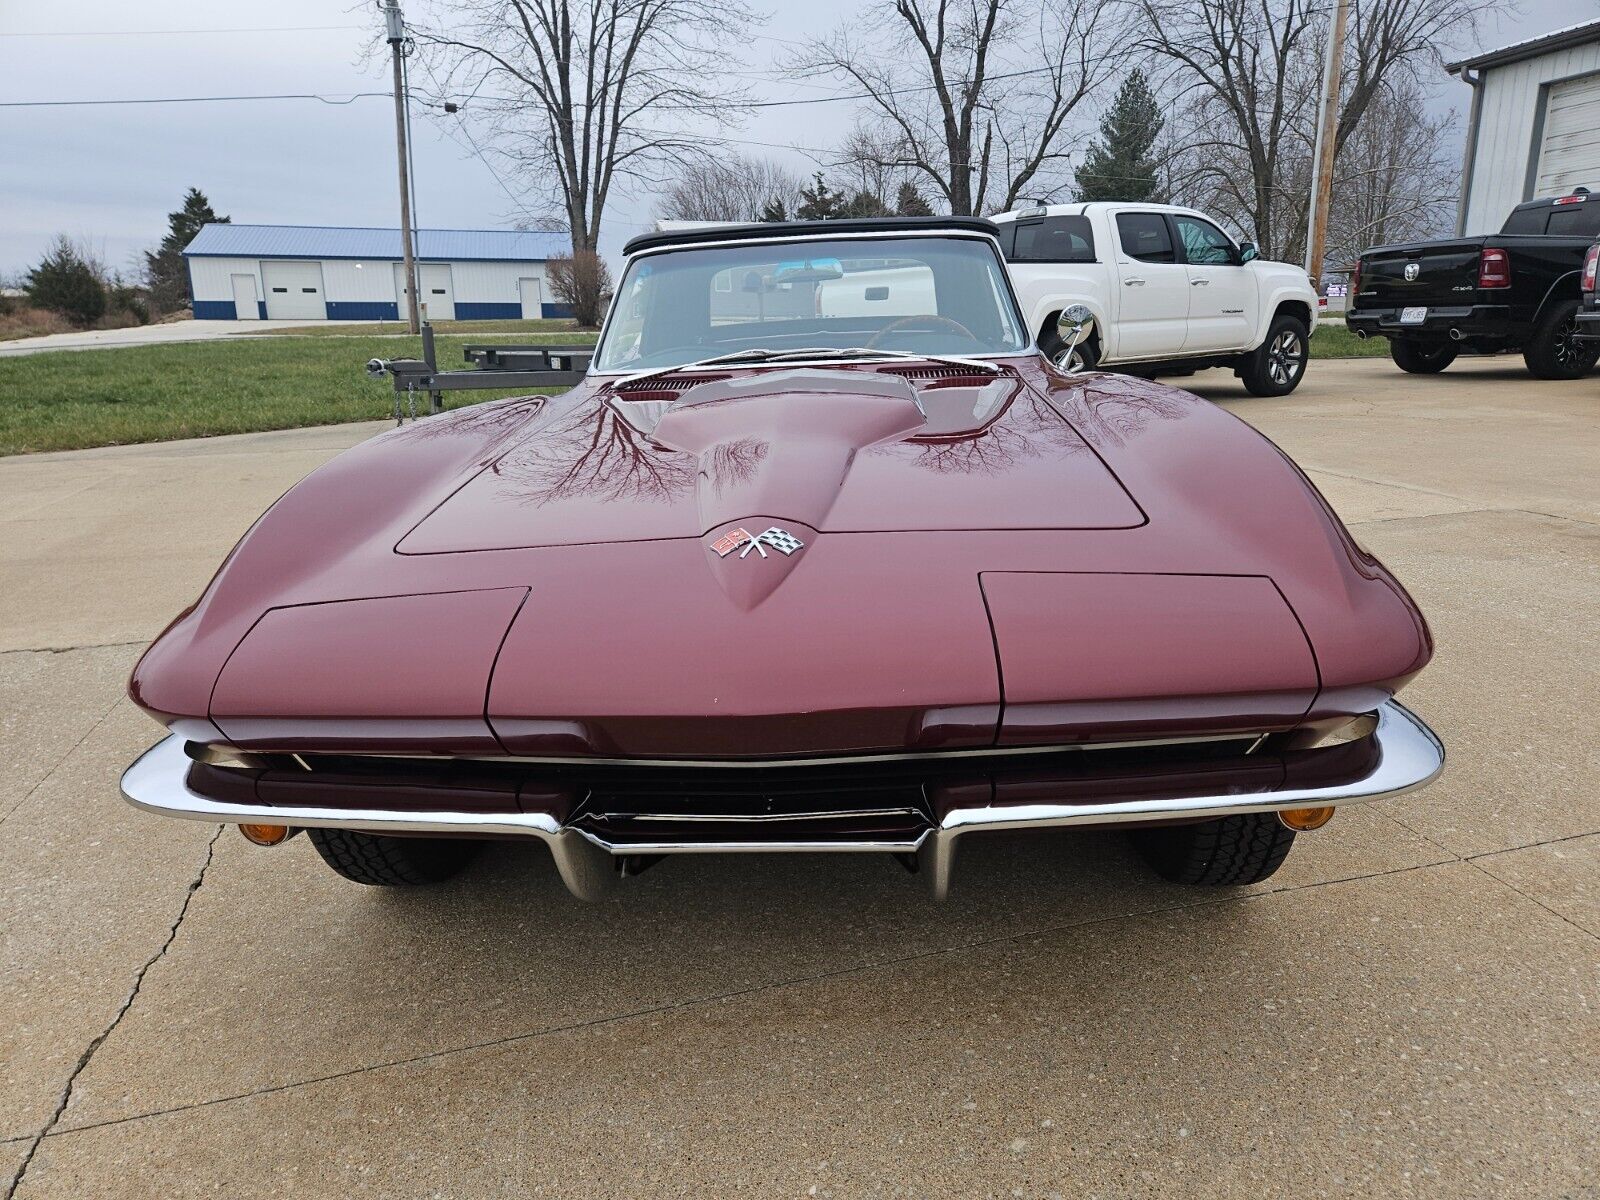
265	835
1303	820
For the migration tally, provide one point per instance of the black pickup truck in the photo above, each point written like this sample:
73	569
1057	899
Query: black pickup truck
1518	289
1589	314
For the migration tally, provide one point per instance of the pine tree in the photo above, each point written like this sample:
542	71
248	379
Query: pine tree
817	202
909	203
1119	165
67	282
864	204
774	210
168	277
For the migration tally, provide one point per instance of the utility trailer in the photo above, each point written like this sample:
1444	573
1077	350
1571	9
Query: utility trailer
494	368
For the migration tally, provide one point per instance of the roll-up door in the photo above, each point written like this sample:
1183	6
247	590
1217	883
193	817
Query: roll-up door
1569	148
294	291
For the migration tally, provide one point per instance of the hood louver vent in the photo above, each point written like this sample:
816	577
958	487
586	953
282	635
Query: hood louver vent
936	371
662	388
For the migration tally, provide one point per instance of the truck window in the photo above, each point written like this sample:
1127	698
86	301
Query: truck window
1575	220
1144	237
1205	244
1525	220
1054	239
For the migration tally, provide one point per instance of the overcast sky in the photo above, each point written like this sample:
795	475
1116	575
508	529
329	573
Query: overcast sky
110	174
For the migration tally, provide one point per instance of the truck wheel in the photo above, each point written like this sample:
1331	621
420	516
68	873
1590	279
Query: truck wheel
1554	351
1276	367
1422	358
1080	358
381	861
1239	849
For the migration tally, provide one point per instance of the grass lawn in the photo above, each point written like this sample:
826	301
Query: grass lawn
1333	340
467	329
69	400
72	399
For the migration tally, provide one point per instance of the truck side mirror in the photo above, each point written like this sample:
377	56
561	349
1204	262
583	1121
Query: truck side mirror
1248	252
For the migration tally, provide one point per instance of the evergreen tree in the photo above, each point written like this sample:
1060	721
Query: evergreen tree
1119	165
168	277
65	281
817	202
774	210
909	203
864	204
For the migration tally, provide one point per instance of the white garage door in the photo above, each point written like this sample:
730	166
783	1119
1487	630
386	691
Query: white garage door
438	290
1569	154
294	291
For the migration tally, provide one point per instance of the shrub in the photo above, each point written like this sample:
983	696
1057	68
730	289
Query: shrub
67	281
582	281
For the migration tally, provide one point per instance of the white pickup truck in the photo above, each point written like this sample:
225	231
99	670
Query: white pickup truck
1169	291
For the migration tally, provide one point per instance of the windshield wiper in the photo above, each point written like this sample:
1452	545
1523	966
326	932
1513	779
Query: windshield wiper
873	352
757	354
762	354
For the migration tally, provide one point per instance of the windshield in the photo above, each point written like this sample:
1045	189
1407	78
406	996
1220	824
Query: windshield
919	295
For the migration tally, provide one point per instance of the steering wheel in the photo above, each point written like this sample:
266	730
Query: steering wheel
931	318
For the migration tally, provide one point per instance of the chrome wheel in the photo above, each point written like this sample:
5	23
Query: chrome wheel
1072	360
1286	358
1567	349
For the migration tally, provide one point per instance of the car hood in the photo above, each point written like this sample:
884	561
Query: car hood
834	451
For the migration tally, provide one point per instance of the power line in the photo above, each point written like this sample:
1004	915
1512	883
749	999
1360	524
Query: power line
350	97
63	33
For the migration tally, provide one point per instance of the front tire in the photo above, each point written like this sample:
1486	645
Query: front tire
1554	351
1422	358
1276	367
1225	852
380	861
1081	357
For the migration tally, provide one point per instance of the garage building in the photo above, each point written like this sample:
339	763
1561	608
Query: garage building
1535	124
323	273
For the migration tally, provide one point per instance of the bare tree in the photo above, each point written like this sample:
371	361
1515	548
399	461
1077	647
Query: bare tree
580	97
728	189
1396	178
1250	72
581	282
972	96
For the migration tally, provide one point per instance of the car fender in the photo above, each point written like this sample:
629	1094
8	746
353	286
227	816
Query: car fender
1277	286
1565	287
1043	300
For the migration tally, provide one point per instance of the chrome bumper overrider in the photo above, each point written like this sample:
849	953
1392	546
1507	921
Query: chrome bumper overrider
1406	755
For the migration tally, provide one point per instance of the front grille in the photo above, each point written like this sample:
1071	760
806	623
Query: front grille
678	807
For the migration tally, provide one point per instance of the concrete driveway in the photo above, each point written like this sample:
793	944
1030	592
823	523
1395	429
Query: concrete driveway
148	335
1408	1008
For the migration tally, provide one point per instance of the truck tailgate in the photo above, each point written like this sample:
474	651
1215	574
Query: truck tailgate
1446	274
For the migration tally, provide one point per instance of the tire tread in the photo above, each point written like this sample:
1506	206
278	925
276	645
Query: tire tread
1226	852
379	861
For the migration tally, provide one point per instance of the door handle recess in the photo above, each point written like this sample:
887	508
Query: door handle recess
1199	282
1133	283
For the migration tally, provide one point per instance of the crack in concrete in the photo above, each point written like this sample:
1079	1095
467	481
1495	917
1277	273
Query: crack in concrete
70	649
741	993
65	1098
1471	860
1555	841
71	750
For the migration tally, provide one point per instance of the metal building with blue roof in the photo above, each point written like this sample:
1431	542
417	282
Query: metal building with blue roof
330	273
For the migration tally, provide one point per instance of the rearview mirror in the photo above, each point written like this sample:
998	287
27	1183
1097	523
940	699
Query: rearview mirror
813	270
1248	252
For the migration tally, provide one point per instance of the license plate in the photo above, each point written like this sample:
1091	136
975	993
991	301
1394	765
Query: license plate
1413	316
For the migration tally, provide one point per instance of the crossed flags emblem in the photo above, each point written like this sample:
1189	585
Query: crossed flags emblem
780	540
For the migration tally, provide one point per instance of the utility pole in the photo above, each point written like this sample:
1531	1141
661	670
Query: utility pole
1322	170
395	25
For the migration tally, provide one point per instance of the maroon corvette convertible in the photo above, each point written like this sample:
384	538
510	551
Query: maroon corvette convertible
821	555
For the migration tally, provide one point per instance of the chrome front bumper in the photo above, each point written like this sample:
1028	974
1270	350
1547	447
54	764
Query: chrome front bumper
1403	754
